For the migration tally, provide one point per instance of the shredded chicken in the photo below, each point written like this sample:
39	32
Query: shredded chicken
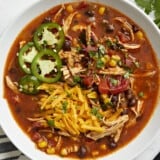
113	71
71	56
79	27
68	72
58	13
138	110
126	25
118	134
11	85
67	22
63	133
130	46
88	34
110	128
144	74
59	143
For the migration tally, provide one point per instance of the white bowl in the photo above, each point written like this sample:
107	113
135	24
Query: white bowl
13	131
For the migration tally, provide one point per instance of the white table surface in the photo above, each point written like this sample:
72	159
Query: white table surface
9	9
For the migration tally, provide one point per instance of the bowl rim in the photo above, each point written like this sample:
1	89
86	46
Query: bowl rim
22	136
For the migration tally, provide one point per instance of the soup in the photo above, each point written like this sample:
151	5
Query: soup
81	80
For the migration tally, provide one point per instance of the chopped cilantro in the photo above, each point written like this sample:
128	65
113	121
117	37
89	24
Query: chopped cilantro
68	94
99	63
64	106
92	54
51	123
109	43
127	75
141	94
114	81
96	113
149	6
77	79
101	50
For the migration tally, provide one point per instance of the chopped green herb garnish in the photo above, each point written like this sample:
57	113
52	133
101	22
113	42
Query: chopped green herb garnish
51	123
92	54
127	75
99	63
101	50
114	81
64	106
109	43
95	112
77	79
141	94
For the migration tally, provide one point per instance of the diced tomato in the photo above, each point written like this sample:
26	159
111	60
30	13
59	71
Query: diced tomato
88	81
82	5
128	62
106	85
121	86
36	136
103	86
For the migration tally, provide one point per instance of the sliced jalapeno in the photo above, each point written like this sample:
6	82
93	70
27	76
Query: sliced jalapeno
26	55
49	35
29	84
46	66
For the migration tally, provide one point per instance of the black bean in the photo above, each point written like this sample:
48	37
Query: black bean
89	13
135	28
125	111
129	94
131	98
67	45
132	102
47	19
85	61
82	151
114	100
111	143
109	28
82	37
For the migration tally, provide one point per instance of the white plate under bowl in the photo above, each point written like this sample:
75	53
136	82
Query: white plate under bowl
13	131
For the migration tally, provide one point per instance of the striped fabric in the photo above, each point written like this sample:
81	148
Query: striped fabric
7	150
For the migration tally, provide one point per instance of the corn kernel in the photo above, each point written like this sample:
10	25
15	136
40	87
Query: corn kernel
107	58
42	144
95	153
50	150
69	8
103	147
103	96
56	139
92	95
112	63
106	100
116	57
149	65
50	135
78	16
64	152
103	60
140	35
101	10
